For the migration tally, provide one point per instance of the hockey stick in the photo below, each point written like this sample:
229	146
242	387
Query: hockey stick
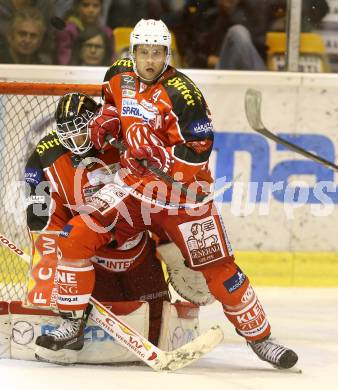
253	99
158	172
122	333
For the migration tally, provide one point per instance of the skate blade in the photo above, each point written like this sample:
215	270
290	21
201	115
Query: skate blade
63	356
295	369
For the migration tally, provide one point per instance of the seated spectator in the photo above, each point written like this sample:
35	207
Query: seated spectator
92	48
192	25
126	13
85	14
47	8
9	7
313	11
243	25
231	33
24	38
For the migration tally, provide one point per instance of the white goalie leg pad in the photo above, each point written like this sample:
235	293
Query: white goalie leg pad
5	331
179	325
102	348
189	284
21	326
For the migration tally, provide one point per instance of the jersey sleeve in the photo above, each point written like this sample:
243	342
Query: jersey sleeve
44	207
189	126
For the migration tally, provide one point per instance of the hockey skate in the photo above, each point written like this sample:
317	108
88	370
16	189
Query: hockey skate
276	354
61	345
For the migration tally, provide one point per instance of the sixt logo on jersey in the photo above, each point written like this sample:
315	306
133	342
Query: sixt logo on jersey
44	144
201	128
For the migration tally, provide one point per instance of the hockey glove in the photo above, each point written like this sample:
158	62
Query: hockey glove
105	122
156	156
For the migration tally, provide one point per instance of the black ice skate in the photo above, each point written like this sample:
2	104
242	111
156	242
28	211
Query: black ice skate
272	352
60	345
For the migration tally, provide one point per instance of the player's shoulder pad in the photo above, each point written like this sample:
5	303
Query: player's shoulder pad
182	91
120	66
49	149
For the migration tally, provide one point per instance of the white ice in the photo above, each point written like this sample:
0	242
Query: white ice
304	319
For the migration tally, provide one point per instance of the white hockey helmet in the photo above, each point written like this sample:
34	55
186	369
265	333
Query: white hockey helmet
150	32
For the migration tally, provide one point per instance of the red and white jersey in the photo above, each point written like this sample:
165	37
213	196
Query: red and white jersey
67	186
171	113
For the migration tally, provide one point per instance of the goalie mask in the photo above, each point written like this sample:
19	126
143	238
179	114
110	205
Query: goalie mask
72	115
150	32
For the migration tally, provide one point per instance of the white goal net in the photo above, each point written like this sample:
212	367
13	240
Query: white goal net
26	115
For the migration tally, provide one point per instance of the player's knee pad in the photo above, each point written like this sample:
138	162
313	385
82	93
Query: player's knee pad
79	240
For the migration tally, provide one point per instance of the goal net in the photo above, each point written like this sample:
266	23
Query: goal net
26	115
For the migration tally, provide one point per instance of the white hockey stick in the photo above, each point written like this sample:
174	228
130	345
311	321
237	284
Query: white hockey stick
122	333
253	99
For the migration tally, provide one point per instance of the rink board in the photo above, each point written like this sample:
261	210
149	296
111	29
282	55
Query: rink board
281	214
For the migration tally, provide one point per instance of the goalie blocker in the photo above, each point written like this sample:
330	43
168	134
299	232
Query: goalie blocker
19	328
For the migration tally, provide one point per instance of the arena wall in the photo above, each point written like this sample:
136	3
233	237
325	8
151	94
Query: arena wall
281	212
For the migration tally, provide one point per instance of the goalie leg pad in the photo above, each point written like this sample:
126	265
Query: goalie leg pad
20	327
189	284
180	325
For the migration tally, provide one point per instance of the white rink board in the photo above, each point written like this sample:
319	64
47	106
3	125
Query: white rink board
293	104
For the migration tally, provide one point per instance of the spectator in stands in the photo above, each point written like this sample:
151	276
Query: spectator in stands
24	39
243	24
313	11
8	8
126	13
85	14
231	33
92	48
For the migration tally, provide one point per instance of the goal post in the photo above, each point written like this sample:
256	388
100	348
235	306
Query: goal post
26	115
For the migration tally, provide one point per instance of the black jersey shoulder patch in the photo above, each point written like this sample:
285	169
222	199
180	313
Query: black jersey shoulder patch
120	66
49	149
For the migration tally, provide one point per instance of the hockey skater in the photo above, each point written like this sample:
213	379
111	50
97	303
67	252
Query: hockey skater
164	122
54	163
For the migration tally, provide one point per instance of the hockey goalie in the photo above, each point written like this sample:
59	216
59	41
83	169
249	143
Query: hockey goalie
129	280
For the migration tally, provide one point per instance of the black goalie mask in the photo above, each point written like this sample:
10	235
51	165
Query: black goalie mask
72	115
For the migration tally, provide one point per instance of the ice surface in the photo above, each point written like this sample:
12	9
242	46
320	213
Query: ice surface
304	319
